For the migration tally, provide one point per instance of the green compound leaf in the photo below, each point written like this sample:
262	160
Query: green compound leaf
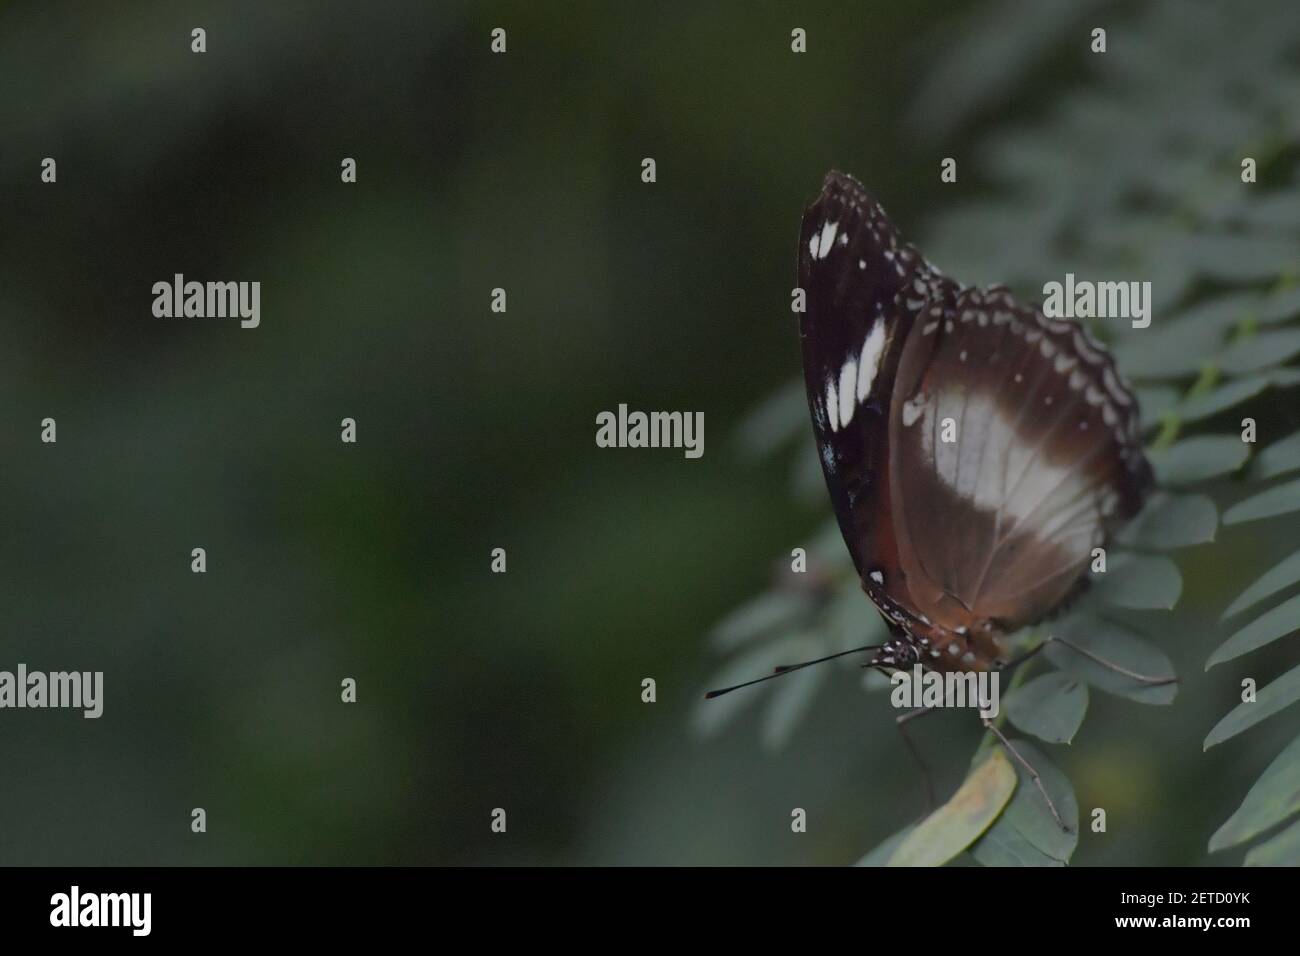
1284	306
771	611
881	854
1280	694
1051	707
1274	797
1026	834
1155	401
1268	627
1281	500
1261	351
1284	574
1119	646
1138	582
1199	459
790	701
1197	407
1281	850
1277	459
1172	521
710	716
1170	351
1238	258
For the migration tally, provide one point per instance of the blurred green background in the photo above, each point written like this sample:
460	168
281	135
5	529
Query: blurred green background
476	429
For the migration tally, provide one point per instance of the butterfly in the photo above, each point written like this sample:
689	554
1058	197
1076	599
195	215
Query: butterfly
975	451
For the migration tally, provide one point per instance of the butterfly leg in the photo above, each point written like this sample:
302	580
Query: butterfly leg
901	723
1038	782
1112	666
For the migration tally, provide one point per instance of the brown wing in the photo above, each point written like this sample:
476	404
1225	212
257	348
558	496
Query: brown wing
999	522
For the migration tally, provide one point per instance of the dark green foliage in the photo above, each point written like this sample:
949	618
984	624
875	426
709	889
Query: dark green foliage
1120	178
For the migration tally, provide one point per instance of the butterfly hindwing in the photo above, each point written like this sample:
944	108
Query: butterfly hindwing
1012	437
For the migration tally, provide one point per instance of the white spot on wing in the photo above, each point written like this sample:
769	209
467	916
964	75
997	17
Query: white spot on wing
848	382
827	237
869	364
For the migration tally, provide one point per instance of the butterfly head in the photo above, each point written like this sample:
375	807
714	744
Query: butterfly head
899	653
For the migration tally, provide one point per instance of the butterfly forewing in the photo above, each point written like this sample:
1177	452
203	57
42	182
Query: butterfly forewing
854	273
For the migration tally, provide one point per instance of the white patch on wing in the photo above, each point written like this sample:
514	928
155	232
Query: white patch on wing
827	237
869	362
848	381
832	405
987	464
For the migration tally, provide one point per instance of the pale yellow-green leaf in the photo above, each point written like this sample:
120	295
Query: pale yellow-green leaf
959	822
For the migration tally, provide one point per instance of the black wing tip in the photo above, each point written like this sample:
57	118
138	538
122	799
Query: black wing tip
836	178
842	195
836	184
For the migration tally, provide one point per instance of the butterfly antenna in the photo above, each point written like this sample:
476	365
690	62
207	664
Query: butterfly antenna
788	668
